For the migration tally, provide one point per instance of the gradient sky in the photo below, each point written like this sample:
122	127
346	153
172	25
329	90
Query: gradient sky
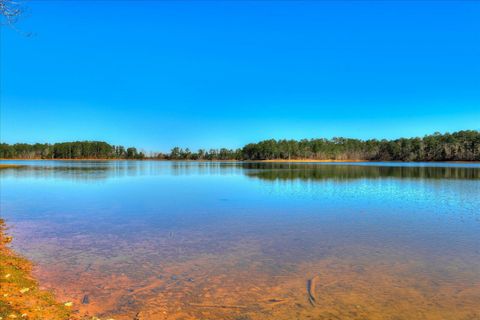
156	74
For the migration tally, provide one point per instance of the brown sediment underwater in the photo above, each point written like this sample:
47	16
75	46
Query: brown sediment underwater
357	283
165	277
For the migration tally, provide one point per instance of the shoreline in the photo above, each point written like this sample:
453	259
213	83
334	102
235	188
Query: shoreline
21	296
7	165
319	160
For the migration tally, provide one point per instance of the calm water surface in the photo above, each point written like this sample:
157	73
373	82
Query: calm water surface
184	240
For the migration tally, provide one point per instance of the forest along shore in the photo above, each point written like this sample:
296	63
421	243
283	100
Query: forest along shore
457	146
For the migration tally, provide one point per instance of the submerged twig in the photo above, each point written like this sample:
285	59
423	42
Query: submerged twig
274	302
223	306
311	284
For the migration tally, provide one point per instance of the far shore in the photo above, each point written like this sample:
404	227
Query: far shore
318	160
4	166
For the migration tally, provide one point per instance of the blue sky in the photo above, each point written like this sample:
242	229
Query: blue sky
155	74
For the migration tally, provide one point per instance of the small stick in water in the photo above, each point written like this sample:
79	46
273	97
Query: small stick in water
217	306
88	267
311	284
274	302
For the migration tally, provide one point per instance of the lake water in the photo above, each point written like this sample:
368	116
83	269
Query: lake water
189	240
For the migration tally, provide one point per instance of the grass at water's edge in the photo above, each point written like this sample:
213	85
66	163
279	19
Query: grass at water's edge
20	296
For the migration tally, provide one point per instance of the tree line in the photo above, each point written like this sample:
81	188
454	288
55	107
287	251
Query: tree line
457	146
68	150
202	154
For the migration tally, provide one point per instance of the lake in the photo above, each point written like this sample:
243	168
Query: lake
240	241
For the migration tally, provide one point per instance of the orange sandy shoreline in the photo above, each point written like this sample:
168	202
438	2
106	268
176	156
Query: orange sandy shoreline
7	165
316	160
21	296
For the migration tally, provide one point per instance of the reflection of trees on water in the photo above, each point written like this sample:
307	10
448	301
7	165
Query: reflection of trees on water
346	172
75	171
180	168
65	172
95	171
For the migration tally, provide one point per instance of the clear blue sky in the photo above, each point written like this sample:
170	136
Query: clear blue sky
156	74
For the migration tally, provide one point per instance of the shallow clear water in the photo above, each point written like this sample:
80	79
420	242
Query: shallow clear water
188	240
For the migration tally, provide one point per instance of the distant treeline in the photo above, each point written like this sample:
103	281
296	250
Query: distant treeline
68	150
202	154
458	146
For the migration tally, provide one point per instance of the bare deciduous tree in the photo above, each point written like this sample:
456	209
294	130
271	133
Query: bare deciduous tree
10	10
